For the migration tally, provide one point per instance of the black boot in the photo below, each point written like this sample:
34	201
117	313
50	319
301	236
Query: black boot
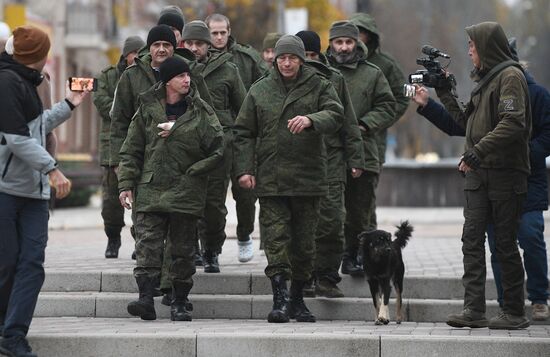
279	313
297	308
113	243
179	308
309	287
350	265
210	261
198	256
145	306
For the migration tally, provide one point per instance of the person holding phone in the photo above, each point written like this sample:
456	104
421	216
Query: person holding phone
28	171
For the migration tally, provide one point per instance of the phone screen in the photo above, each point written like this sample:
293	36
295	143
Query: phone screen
79	84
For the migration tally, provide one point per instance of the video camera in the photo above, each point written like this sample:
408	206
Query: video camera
434	76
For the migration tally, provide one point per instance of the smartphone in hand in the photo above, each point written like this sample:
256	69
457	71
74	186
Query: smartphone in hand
80	84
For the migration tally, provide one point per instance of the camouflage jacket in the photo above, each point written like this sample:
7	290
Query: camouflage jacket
103	101
225	86
372	100
135	80
249	62
287	164
170	174
392	72
345	146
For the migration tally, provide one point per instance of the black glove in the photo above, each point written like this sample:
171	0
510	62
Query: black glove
471	159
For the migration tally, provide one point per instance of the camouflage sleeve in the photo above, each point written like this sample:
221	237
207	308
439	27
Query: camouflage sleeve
132	154
330	116
237	93
204	93
396	79
103	98
382	114
245	132
511	116
353	142
121	115
212	145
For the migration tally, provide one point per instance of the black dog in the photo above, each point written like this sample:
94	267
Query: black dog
382	262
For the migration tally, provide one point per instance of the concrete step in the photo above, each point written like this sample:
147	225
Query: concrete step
206	306
253	283
91	337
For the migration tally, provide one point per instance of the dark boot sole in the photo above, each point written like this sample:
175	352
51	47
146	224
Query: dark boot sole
211	270
521	326
470	324
277	317
142	312
181	318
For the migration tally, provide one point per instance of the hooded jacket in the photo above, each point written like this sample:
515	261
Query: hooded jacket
170	174
372	99
497	119
24	161
283	163
391	70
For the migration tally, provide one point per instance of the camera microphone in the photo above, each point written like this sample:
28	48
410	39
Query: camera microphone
432	51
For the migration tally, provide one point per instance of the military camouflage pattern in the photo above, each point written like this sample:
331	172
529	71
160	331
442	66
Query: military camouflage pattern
103	101
170	174
249	62
111	210
152	230
283	163
329	235
289	235
227	90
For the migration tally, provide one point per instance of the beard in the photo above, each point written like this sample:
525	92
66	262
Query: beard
344	57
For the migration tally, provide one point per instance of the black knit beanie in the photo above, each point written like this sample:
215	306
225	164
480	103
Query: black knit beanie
172	20
171	67
311	41
161	33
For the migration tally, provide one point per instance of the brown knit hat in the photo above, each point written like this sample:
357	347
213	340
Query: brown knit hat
30	44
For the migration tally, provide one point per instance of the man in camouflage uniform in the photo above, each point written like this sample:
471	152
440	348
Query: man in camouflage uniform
374	107
173	142
345	152
370	36
279	143
251	67
227	90
112	213
268	47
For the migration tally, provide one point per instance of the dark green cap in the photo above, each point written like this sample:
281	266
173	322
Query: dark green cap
343	29
196	30
290	44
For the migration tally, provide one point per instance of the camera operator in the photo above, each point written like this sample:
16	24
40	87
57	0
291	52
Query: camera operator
497	125
531	230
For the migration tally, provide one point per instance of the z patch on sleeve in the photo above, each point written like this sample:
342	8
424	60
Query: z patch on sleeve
508	104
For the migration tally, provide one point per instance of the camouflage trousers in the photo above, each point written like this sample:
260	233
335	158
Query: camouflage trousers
152	230
211	227
289	225
493	196
245	204
111	210
360	196
329	237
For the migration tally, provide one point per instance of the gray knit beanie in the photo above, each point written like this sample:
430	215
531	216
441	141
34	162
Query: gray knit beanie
196	30
290	44
132	43
343	29
172	9
270	40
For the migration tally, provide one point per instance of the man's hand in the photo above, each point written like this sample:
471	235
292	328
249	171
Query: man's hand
297	124
471	159
355	173
422	95
247	182
75	98
60	183
126	199
165	128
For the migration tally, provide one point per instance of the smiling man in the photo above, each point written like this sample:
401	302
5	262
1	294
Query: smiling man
279	142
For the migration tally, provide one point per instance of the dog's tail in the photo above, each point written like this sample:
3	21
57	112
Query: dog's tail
403	233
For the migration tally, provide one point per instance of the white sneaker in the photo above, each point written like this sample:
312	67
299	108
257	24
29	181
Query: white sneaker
246	251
